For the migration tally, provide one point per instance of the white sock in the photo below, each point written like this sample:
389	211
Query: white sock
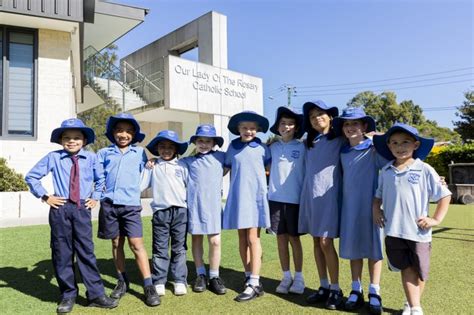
254	280
334	286
374	289
247	274
213	273
416	310
299	275
324	283
287	274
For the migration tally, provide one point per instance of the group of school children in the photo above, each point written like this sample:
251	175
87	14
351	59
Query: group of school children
337	183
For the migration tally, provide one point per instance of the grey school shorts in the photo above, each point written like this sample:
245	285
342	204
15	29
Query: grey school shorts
402	253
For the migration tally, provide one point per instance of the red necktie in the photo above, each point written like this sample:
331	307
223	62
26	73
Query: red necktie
74	187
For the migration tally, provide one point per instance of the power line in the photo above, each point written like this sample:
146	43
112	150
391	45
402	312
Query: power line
396	83
384	80
382	90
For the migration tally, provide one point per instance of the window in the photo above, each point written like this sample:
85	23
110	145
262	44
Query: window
17	82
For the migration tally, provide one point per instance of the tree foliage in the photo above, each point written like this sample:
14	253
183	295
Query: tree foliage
465	126
386	111
9	179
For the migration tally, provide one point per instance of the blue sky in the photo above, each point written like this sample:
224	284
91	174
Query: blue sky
320	43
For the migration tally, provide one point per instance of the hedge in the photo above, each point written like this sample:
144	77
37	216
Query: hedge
9	179
453	153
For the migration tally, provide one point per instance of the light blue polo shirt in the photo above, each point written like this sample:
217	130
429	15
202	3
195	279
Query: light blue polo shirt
287	171
405	198
122	174
168	181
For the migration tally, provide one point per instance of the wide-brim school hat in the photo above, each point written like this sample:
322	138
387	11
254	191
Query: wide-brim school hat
167	135
207	131
234	121
113	120
332	111
353	113
285	111
381	142
73	123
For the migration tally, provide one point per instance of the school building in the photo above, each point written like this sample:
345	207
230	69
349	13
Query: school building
52	68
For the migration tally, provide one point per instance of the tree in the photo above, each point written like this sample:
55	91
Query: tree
465	127
386	111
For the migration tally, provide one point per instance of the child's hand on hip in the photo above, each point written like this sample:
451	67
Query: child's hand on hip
55	202
90	203
427	223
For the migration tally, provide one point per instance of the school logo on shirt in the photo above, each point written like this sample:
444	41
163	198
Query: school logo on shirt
295	154
413	178
178	174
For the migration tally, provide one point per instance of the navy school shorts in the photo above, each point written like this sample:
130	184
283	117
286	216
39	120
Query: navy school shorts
284	218
402	253
119	220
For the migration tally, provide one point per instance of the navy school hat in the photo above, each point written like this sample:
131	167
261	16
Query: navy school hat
332	111
167	135
353	113
381	142
283	110
234	121
207	131
73	123
113	120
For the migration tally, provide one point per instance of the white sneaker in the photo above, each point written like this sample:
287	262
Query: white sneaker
416	310
297	287
406	309
160	289
284	285
180	289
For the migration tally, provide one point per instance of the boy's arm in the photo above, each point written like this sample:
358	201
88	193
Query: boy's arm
145	179
377	213
34	176
438	216
99	182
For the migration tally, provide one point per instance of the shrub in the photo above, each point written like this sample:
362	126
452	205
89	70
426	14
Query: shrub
9	179
454	153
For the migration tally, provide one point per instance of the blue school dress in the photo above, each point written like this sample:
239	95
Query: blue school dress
247	204
320	196
360	237
204	192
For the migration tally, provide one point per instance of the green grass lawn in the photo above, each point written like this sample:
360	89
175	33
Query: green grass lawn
27	283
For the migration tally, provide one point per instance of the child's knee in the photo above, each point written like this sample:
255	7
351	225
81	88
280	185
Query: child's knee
326	243
215	242
136	244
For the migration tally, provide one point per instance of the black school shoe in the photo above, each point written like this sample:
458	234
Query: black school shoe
200	284
104	302
375	309
255	292
353	306
151	296
335	299
66	305
217	286
119	290
318	297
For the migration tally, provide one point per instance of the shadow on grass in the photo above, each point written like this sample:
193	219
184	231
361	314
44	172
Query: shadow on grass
37	282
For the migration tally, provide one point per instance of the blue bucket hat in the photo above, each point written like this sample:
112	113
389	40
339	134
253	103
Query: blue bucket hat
207	131
167	135
332	111
73	123
234	121
283	110
353	113
113	120
381	142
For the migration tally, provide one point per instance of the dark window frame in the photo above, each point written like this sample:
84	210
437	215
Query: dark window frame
4	135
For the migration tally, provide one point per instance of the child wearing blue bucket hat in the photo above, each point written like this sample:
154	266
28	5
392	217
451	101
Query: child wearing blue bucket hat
360	238
320	198
120	206
168	180
406	185
78	180
284	190
204	198
247	208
